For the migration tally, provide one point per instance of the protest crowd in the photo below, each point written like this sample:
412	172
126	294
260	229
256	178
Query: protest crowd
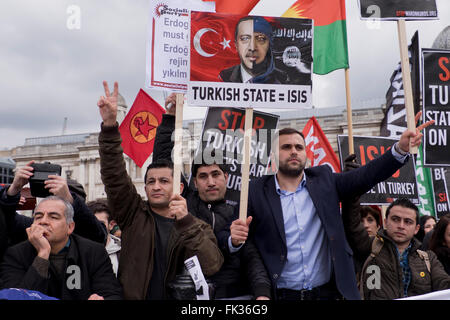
306	232
67	249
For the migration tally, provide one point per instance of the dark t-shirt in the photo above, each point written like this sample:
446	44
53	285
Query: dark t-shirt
163	227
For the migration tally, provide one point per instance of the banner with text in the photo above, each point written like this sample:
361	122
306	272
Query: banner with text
402	184
398	9
222	141
440	191
436	106
168	43
250	61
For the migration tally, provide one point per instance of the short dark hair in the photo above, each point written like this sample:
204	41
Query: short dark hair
223	167
405	203
161	163
99	205
200	162
285	131
366	210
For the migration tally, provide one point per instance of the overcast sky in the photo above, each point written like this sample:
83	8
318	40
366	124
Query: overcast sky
49	72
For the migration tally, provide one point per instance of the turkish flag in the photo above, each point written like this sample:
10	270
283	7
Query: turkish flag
138	129
318	148
212	45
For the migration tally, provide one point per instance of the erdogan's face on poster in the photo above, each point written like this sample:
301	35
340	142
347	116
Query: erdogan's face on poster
252	46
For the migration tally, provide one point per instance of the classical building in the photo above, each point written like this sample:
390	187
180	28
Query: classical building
78	153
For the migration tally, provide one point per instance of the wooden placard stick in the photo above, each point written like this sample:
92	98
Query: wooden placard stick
351	147
177	154
245	166
406	75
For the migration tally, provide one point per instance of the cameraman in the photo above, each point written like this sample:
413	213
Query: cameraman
86	224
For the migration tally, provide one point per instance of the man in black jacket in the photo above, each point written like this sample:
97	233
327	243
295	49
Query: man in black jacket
243	274
87	225
57	263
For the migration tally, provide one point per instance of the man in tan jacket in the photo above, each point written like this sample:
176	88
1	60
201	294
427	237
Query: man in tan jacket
158	234
395	267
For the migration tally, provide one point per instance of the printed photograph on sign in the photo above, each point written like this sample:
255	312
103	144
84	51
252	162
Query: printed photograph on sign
402	184
249	61
436	106
398	9
222	142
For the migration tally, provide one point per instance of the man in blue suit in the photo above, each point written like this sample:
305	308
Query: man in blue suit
296	222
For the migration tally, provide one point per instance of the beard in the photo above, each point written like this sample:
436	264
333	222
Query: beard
258	68
291	171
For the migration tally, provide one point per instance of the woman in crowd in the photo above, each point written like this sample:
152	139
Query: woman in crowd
440	241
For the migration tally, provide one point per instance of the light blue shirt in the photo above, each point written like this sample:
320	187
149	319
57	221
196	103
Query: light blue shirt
308	262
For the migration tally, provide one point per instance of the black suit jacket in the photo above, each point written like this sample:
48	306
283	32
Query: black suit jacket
326	189
95	271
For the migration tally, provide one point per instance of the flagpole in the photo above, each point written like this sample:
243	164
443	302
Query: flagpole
351	147
406	75
177	158
245	166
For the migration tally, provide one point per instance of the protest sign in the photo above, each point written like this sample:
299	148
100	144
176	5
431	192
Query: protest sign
398	9
266	62
168	43
436	106
222	142
402	184
442	205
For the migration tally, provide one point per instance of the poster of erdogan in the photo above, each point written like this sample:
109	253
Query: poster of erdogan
250	61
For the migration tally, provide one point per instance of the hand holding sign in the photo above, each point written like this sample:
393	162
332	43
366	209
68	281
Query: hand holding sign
416	137
171	103
108	105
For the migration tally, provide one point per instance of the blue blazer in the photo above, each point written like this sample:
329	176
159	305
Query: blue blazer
326	189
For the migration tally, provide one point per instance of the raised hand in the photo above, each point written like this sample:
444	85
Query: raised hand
21	178
171	103
57	185
416	137
108	105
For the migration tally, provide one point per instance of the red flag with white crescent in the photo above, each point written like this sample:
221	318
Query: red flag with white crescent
318	148
212	45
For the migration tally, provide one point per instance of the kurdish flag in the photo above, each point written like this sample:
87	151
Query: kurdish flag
330	32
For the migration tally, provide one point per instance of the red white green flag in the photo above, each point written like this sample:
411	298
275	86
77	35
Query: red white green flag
330	32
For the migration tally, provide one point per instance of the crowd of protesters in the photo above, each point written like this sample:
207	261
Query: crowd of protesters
297	243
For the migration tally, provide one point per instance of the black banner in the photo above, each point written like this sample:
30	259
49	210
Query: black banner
222	140
394	121
436	106
440	191
398	9
402	184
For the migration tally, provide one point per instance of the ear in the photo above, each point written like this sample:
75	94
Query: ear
226	176
417	229
71	228
195	182
181	187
